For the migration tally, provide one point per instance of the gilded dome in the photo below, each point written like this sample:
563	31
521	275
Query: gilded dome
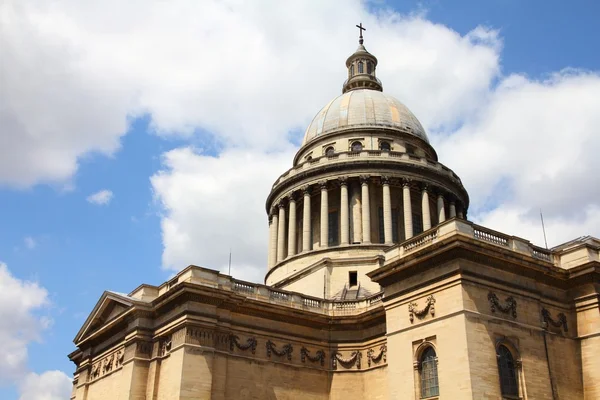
364	108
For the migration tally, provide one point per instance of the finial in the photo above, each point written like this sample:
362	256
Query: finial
361	29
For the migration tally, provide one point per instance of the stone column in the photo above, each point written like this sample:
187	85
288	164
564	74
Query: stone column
452	209
292	242
440	208
387	211
366	210
324	215
425	209
274	226
408	222
271	235
306	222
345	233
281	233
459	211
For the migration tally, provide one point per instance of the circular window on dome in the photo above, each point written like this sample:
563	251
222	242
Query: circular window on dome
329	151
356	146
385	146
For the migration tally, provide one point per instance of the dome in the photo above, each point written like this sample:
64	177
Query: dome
364	108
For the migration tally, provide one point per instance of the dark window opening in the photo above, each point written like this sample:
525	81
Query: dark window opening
429	376
360	67
330	151
333	237
352	278
357	146
417	223
410	149
385	146
508	373
369	67
352	70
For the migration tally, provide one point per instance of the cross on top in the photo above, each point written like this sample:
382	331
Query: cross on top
361	29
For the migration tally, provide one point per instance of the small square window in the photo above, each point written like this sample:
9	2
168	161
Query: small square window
353	278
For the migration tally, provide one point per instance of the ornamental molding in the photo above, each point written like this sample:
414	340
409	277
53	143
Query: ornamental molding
509	308
318	357
371	357
561	320
429	306
347	363
234	341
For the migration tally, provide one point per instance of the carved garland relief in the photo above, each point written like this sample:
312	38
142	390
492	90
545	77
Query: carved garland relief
561	320
287	349
429	306
347	363
319	356
510	306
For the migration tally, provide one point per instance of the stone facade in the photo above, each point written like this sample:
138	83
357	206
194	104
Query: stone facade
377	287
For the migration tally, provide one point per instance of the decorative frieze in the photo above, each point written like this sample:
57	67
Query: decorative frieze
353	360
371	357
234	341
560	322
510	306
107	364
318	357
287	349
429	307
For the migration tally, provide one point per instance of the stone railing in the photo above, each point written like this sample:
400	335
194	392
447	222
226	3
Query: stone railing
461	227
256	291
343	156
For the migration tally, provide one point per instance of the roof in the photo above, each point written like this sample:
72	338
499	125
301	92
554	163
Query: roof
364	108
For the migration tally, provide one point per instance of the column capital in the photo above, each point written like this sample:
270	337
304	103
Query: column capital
306	190
274	211
425	187
281	204
364	179
343	180
323	185
406	182
292	197
385	180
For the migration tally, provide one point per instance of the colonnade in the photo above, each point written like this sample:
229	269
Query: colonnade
277	218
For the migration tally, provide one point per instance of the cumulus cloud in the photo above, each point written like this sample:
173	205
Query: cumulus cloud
533	147
100	198
50	385
247	72
214	205
20	324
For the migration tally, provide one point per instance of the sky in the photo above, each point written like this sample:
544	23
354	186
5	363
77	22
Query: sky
139	137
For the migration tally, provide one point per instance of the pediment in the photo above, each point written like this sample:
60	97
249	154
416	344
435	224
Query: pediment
109	307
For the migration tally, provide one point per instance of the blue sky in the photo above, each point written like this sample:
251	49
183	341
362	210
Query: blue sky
51	234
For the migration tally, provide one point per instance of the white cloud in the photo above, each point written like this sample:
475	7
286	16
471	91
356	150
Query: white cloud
30	242
533	147
50	385
247	72
20	324
100	198
214	204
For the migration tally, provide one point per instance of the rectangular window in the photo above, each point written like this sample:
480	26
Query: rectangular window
352	278
334	232
417	224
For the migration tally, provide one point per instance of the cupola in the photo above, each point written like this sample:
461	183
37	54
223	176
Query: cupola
361	68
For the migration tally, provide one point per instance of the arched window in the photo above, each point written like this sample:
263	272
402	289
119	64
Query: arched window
308	158
508	372
429	376
385	146
357	146
352	70
360	67
329	151
369	67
